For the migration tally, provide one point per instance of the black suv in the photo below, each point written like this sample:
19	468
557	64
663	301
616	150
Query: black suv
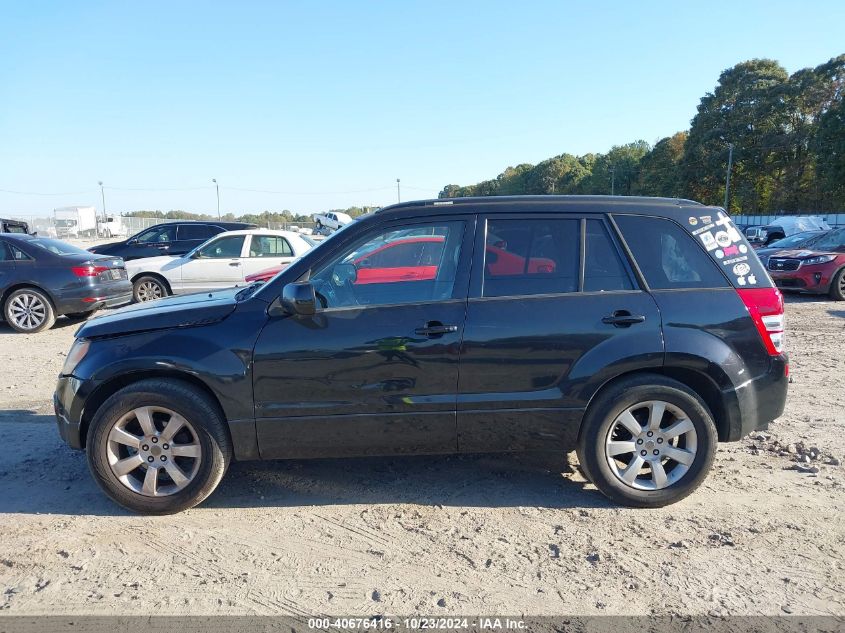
168	238
14	226
639	330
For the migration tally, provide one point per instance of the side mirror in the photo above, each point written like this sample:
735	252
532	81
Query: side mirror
132	242
299	298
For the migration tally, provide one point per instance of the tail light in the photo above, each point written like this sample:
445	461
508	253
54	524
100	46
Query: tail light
765	305
88	271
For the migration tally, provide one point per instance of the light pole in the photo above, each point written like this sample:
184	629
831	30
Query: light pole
613	180
398	194
217	187
728	177
103	196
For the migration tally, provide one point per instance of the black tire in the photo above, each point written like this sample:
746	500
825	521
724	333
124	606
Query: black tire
42	315
149	288
80	316
185	400
600	420
837	286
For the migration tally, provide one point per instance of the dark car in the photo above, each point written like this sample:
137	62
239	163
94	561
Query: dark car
816	269
646	332
805	239
13	226
169	238
41	279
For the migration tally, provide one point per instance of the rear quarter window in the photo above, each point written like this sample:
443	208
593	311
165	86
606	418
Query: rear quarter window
668	256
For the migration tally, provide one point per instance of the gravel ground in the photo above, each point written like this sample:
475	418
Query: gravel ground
443	535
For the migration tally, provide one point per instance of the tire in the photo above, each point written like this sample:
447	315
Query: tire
203	435
148	288
319	226
837	286
604	439
80	316
29	310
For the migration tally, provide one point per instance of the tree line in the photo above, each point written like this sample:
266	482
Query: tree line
787	134
266	218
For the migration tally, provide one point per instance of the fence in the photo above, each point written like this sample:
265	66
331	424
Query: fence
833	219
125	226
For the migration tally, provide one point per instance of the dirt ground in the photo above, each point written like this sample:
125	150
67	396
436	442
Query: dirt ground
525	534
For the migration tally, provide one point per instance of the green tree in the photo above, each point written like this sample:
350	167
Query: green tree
739	111
660	169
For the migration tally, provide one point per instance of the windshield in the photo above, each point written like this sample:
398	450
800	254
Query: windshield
833	241
807	237
65	222
56	247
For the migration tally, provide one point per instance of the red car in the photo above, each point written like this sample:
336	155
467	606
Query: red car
820	270
416	258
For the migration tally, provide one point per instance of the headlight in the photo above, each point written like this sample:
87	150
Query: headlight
77	352
818	259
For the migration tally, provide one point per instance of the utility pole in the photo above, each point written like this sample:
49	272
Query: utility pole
613	180
103	196
217	187
728	177
398	193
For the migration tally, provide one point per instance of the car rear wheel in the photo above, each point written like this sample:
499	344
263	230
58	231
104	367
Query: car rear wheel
158	447
647	441
837	286
29	310
148	288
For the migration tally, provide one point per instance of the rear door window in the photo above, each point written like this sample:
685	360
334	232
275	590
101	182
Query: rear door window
531	256
194	232
603	267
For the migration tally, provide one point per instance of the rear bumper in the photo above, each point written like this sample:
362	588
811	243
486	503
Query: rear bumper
94	297
759	401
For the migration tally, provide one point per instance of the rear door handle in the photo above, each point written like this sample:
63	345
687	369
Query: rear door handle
623	318
435	328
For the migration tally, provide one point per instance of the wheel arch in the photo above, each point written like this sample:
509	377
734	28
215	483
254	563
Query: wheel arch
700	383
158	276
104	391
26	284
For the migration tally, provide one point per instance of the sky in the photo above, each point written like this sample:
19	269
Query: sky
314	105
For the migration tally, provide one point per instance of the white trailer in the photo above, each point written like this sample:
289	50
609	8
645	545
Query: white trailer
75	222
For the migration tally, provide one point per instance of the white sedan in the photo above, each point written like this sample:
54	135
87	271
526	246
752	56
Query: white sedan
221	262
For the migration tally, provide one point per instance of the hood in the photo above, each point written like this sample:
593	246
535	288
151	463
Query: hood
150	264
173	312
105	249
802	253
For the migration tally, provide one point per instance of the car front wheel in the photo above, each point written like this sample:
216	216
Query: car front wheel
158	446
148	288
647	441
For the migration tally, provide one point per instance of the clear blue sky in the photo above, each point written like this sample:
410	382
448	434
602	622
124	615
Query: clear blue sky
330	102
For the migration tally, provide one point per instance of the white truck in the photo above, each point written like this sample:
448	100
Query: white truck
75	222
112	226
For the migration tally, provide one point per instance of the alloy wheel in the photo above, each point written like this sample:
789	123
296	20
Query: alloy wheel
651	445
150	290
28	311
154	451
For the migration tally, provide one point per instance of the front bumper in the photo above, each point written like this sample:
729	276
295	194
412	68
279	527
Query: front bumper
68	404
815	278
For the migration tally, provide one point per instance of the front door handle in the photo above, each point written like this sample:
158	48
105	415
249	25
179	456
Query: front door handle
234	263
623	318
435	328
